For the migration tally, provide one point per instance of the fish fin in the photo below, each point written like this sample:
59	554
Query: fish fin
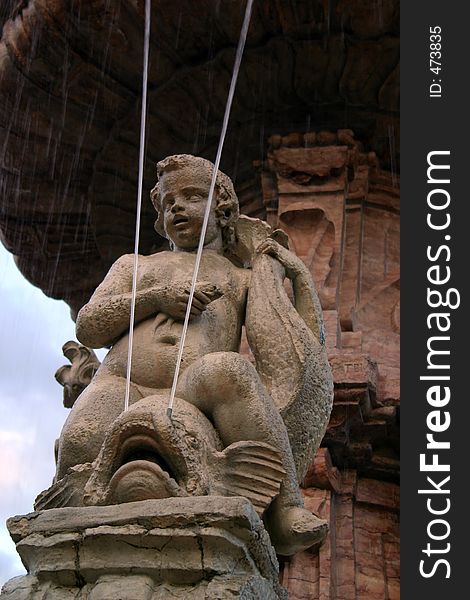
250	469
67	491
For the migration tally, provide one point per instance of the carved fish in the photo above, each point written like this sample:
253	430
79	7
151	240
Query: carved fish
146	455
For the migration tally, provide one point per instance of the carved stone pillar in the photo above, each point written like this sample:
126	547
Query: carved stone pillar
361	556
309	178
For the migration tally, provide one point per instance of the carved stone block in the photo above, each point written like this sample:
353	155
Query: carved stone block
205	548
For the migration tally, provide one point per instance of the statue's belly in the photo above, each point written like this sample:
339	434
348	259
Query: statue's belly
155	350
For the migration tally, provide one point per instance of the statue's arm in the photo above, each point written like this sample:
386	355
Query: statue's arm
306	299
106	316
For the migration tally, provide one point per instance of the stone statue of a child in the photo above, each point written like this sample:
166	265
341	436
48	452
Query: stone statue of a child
238	399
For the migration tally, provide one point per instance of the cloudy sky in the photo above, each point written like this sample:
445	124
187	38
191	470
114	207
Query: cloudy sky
33	330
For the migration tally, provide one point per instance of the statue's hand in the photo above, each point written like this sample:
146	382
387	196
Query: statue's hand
292	263
204	294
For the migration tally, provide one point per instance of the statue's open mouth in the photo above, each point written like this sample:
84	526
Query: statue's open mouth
180	220
142	473
146	456
142	447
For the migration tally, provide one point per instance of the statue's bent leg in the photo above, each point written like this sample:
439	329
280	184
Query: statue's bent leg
227	388
97	407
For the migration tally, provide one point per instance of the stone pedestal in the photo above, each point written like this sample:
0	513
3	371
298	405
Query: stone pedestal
200	547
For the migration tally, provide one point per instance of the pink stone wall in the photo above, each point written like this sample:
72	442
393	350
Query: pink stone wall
342	216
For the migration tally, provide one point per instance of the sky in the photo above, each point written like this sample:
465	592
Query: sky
33	330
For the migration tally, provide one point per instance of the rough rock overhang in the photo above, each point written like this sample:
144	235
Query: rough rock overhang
70	77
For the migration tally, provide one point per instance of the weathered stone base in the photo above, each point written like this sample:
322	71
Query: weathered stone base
202	548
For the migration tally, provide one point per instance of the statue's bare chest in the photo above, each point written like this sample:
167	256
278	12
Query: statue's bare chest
175	269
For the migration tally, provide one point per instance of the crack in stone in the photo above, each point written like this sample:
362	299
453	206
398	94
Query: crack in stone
200	545
79	580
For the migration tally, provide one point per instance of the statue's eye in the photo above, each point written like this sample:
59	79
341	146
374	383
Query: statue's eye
196	197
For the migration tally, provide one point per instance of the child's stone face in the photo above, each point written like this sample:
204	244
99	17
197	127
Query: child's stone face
183	202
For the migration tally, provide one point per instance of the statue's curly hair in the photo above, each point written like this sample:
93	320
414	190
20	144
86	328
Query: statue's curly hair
226	199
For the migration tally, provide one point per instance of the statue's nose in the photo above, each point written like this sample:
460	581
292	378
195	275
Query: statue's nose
177	206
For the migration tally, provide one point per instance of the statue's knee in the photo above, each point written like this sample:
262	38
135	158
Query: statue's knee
229	361
228	372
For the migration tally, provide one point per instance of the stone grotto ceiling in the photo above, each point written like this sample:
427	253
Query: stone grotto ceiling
70	77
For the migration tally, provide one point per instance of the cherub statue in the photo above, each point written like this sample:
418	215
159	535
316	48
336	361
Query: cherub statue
240	283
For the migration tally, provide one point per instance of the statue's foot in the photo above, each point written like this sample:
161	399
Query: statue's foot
293	529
